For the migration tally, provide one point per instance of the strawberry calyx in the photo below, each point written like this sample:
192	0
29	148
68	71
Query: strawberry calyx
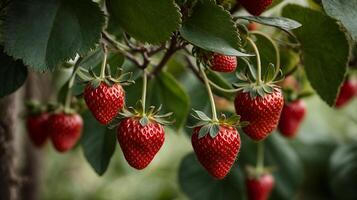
247	84
89	76
145	117
212	127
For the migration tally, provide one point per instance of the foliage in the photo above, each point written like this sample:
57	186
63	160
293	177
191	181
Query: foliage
172	42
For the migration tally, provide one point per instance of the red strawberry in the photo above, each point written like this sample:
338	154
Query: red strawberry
36	128
262	113
255	7
223	63
252	26
140	143
217	155
64	130
104	101
291	117
347	92
260	189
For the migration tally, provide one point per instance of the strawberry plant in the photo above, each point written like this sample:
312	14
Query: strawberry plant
222	77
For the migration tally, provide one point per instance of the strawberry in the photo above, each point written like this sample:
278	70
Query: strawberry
223	63
36	128
217	154
64	130
255	7
260	188
104	101
262	112
140	143
291	117
347	92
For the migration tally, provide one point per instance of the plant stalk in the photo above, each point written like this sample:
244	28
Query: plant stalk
260	158
104	64
276	49
143	95
210	94
76	67
259	64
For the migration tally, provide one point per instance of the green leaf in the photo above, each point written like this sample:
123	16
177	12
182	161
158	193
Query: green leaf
197	184
343	172
12	74
210	27
98	143
144	121
172	96
325	50
345	11
279	22
44	33
147	21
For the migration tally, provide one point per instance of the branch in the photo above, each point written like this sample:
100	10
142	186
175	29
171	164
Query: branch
114	45
170	51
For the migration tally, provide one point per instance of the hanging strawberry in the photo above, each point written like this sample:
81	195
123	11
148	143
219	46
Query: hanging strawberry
104	95
259	101
141	133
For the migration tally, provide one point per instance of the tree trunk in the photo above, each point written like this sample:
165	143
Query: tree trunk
9	182
37	88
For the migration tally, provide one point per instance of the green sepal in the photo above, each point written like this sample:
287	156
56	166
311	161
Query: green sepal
95	83
204	130
214	130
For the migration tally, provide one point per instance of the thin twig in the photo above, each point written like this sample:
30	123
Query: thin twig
170	51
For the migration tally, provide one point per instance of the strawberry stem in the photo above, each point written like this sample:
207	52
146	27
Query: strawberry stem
210	94
259	64
102	71
143	95
277	52
76	67
260	158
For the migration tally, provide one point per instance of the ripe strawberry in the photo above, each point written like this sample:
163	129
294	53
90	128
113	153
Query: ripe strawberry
260	188
64	130
223	63
36	128
140	143
262	113
291	117
347	92
217	154
255	7
104	101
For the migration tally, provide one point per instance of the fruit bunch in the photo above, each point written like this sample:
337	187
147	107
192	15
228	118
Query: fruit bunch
63	128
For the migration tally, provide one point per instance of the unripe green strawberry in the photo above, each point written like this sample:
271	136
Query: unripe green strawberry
140	143
217	155
262	112
223	63
255	7
64	130
292	115
260	188
36	128
104	101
